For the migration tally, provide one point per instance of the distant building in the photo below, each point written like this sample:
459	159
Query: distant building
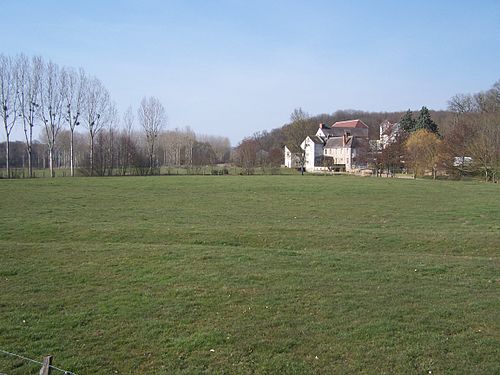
313	150
388	133
339	147
293	155
462	161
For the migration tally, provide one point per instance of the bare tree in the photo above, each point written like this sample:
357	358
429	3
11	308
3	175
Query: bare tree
73	96
297	130
28	96
8	101
95	107
461	103
485	148
152	118
50	109
110	146
220	145
188	138
247	154
126	140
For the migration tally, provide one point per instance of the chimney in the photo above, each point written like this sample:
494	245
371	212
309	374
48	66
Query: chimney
321	126
344	139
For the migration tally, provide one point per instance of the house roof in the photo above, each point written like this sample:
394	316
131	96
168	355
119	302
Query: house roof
316	139
350	124
339	132
352	142
294	149
360	143
338	142
327	131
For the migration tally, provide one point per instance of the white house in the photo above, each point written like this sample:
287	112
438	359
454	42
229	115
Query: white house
388	133
338	147
313	150
292	156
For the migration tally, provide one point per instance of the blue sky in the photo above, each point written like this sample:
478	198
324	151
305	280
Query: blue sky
235	67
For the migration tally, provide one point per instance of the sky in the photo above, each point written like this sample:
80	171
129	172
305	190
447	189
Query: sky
231	68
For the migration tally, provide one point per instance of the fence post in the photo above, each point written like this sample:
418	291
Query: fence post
47	361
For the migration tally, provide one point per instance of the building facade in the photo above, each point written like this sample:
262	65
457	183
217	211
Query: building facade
336	148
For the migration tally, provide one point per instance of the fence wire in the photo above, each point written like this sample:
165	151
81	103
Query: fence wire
65	372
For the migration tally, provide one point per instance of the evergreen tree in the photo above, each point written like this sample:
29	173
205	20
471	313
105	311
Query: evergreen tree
407	122
425	121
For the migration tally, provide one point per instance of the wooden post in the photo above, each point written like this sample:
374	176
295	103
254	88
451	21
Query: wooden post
47	361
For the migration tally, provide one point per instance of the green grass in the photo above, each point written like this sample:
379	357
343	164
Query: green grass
275	274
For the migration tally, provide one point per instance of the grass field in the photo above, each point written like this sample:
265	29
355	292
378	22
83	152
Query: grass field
250	275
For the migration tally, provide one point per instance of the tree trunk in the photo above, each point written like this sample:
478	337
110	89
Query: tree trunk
51	161
71	156
91	155
151	152
7	155
30	161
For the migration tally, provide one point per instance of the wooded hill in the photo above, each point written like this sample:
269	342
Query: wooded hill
301	125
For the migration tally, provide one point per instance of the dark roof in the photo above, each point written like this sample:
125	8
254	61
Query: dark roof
350	124
328	131
360	142
334	142
338	142
316	139
294	149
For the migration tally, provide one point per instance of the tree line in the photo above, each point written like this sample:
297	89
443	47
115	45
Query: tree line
466	142
60	101
265	148
463	140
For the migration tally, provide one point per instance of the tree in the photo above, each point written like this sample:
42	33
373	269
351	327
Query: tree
247	154
96	103
425	121
407	122
73	96
423	152
30	72
152	118
220	145
485	147
461	103
475	132
50	109
459	133
275	157
302	158
297	130
125	141
109	158
203	154
8	101
489	101
390	158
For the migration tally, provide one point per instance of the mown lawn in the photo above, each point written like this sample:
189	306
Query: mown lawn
250	275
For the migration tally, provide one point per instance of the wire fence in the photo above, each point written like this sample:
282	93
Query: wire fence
65	372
